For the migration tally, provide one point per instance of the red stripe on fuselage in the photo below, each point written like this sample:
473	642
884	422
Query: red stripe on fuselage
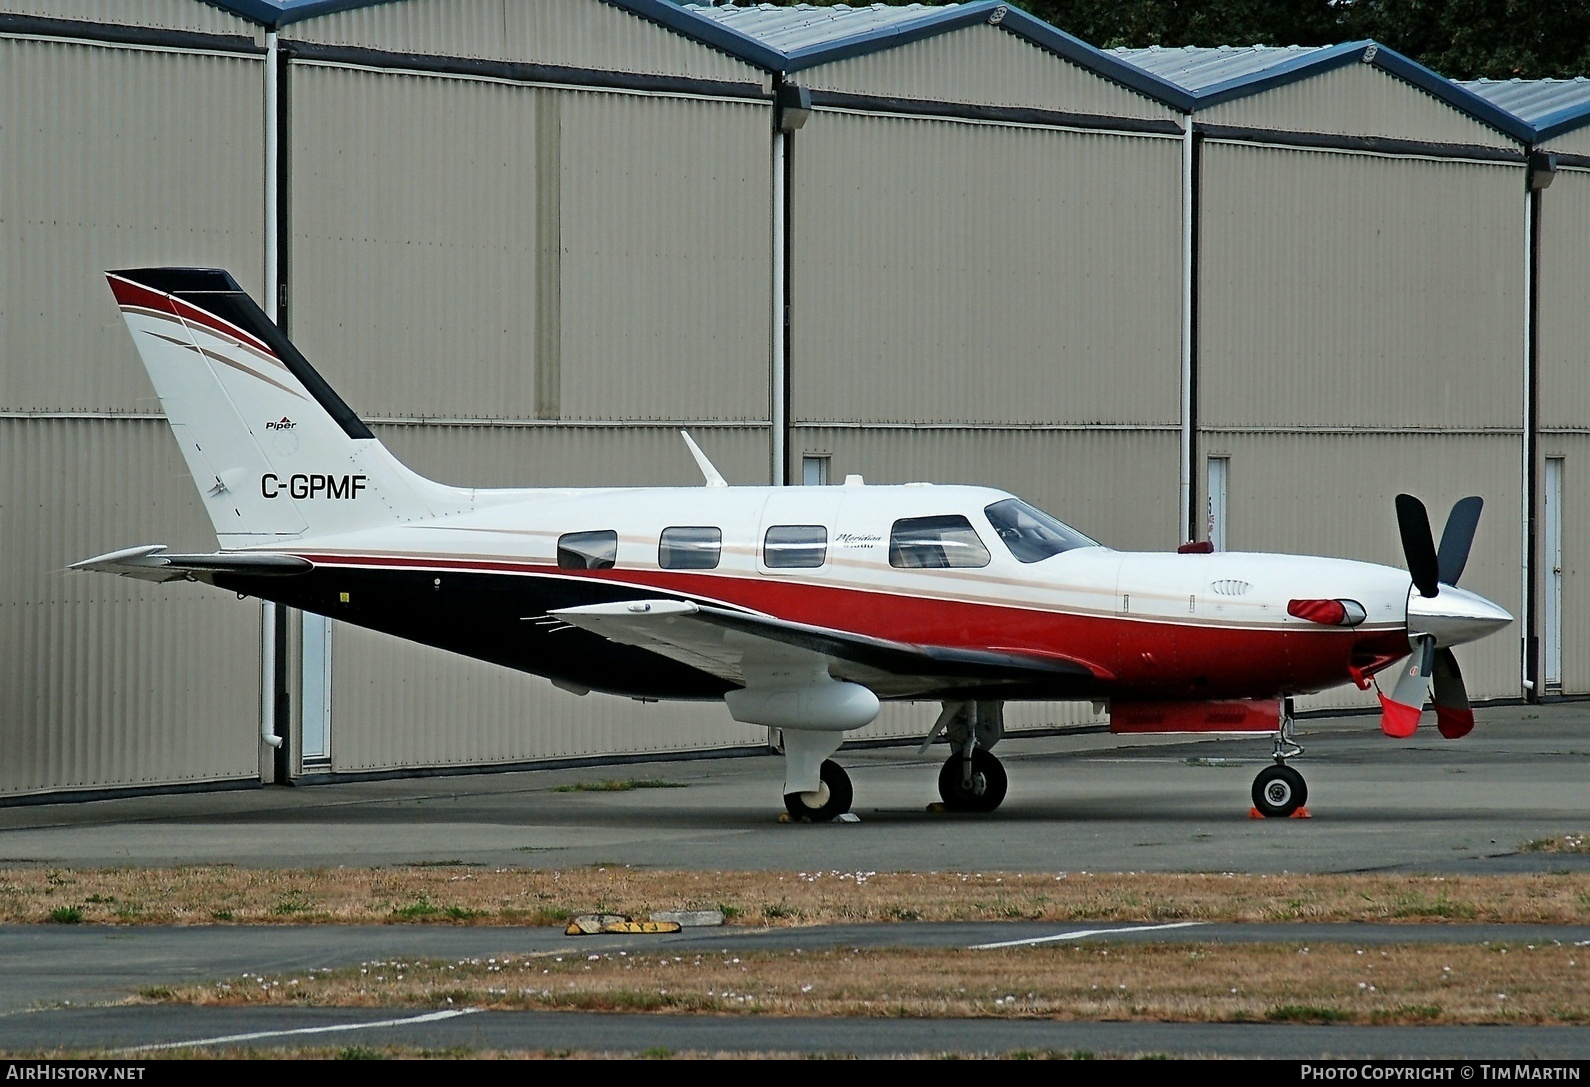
1139	656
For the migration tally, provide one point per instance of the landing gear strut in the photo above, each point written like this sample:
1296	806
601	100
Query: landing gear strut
972	779
1279	790
831	800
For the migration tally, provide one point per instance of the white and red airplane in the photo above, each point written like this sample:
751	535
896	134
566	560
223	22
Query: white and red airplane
799	608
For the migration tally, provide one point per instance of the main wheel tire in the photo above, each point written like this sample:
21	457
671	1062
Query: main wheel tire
988	786
1279	791
830	801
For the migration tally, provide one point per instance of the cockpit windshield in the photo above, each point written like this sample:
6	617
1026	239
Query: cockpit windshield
1031	534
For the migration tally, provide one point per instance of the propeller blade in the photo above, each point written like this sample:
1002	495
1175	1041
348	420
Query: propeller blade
1452	713
1399	714
1418	545
1457	537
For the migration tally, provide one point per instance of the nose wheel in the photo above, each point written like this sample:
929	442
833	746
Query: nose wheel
1279	791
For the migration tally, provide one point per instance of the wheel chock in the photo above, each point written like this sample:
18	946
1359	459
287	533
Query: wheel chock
1301	813
589	924
937	807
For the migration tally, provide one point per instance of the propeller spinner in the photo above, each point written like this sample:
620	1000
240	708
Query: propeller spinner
1440	615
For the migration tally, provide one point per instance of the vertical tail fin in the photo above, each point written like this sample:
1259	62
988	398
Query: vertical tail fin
275	452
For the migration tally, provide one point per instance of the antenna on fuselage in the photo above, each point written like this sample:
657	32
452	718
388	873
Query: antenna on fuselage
714	477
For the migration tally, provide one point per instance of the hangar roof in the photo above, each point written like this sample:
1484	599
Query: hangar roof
1550	106
1217	74
788	39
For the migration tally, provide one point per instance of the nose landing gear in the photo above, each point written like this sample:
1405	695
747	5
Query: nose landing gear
1280	791
972	779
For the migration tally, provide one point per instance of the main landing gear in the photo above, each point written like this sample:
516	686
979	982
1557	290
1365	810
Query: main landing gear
830	800
1279	791
972	779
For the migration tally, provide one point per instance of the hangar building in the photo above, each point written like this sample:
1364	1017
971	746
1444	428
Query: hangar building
1165	294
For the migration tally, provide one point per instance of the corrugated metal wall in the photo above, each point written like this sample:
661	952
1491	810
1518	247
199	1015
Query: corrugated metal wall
1118	486
1356	100
984	66
639	292
933	281
667	273
584	34
1331	494
1574	450
572	455
1575	142
105	163
1565	301
162	14
1564	363
1358	290
111	682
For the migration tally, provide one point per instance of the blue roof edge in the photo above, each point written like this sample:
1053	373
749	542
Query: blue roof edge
661	12
880	38
1459	98
1387	60
1297	68
1564	120
1079	52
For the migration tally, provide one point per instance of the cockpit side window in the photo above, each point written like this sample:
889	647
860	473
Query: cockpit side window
689	547
790	547
944	542
1031	534
588	550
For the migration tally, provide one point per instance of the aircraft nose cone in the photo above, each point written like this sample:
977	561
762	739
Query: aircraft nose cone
1454	616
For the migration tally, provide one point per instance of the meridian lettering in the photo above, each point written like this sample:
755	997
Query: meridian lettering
312	485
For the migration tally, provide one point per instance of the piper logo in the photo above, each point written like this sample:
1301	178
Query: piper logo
284	424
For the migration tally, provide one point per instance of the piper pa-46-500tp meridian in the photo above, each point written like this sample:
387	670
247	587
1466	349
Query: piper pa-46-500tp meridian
799	608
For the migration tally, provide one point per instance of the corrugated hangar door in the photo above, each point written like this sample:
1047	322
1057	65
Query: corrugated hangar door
527	285
109	164
1361	334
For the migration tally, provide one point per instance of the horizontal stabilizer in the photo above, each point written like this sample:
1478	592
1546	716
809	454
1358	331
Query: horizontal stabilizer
149	562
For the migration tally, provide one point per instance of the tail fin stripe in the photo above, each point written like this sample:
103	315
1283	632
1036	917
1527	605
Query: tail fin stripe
209	293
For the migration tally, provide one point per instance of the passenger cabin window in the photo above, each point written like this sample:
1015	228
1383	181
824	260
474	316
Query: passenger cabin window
689	548
1031	534
935	543
794	547
587	550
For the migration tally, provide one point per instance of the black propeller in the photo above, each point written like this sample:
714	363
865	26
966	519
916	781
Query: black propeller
1418	545
1429	666
1458	537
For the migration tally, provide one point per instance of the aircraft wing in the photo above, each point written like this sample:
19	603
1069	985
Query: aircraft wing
149	562
742	646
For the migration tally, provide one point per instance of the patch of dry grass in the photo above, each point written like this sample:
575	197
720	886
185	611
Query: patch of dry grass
1333	983
464	895
377	1051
